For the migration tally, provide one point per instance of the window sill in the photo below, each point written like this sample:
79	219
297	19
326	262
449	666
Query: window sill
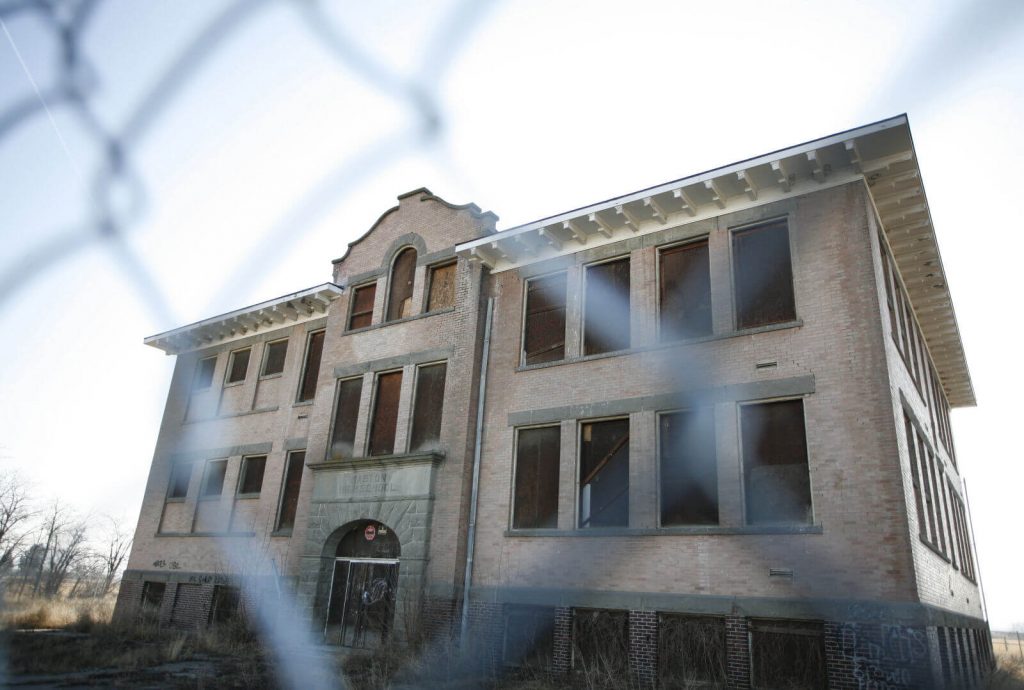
246	497
282	533
267	377
697	530
433	457
934	548
407	319
175	499
205	534
234	384
302	403
218	417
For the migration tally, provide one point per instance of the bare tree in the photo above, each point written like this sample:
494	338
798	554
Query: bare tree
63	546
118	543
14	512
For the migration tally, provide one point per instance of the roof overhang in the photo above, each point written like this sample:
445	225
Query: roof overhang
882	154
280	312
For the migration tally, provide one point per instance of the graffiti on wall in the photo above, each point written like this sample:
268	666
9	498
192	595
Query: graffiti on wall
885	656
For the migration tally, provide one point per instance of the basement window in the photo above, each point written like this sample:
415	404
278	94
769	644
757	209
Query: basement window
606	316
238	364
361	315
776	477
273	357
385	413
428	405
442	287
684	290
152	598
213	482
203	377
600	647
290	492
691	652
311	367
536	489
787	654
604	474
225	604
689	469
345	416
181	476
403	273
529	637
763	275
251	482
544	321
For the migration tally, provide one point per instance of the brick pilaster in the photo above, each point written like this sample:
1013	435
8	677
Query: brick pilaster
643	648
737	648
562	657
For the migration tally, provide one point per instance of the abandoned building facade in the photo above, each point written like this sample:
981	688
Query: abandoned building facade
698	433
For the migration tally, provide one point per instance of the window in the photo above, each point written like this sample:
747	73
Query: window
428	406
691	652
536	488
689	470
385	414
346	414
928	495
787	654
606	319
600	647
544	321
529	637
273	357
776	479
290	492
685	291
888	280
362	306
311	369
181	475
213	482
251	481
915	475
225	604
963	540
604	474
442	287
204	373
152	597
238	364
763	275
403	273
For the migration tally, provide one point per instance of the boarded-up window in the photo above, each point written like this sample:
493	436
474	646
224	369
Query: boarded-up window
689	471
385	414
685	291
529	637
238	365
362	306
213	482
345	417
225	604
251	481
787	654
204	373
544	326
442	287
311	369
403	273
428	407
691	652
776	479
181	475
606	319
763	275
604	474
290	493
536	491
273	357
600	647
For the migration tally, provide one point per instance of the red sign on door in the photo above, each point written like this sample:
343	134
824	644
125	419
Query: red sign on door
370	532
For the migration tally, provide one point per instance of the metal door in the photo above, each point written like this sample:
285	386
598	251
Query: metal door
362	602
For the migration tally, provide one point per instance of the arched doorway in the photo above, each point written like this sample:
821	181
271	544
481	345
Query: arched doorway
361	607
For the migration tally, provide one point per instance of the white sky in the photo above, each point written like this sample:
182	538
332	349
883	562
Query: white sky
276	152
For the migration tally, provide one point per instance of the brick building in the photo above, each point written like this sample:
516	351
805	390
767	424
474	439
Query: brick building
695	433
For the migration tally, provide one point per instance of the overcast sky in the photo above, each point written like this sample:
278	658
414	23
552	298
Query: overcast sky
291	131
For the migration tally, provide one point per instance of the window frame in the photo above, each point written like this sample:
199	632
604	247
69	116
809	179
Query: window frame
266	357
578	487
303	372
371	422
454	263
659	335
585	270
412	403
710	410
523	314
352	306
334	413
278	515
734	293
198	369
229	370
243	469
389	292
515	474
170	497
203	495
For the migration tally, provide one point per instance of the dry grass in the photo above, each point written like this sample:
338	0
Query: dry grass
1010	672
28	613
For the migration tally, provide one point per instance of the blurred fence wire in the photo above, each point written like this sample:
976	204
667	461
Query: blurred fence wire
118	192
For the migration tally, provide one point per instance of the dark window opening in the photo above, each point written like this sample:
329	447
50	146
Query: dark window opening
403	273
252	474
238	365
786	654
428	407
311	370
691	652
763	275
204	373
536	491
362	542
273	358
689	468
181	476
362	306
776	477
345	417
604	474
152	596
290	493
600	646
442	287
685	291
385	414
225	604
606	319
544	327
915	475
213	483
529	637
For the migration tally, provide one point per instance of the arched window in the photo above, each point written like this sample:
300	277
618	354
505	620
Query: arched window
403	272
